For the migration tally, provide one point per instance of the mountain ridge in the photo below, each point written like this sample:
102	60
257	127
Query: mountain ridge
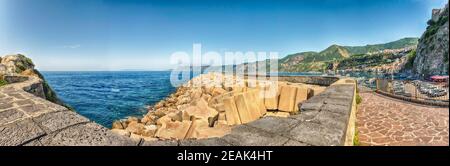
304	60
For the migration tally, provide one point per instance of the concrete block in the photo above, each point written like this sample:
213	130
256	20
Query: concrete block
231	111
202	110
196	123
301	96
200	130
219	107
258	96
222	116
287	98
218	91
250	101
271	97
245	113
174	130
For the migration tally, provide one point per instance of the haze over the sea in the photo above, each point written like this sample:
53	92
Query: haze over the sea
74	35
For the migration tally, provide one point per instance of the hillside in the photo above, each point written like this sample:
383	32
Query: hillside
318	61
332	57
405	42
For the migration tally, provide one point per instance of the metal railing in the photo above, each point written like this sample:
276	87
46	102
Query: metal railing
419	90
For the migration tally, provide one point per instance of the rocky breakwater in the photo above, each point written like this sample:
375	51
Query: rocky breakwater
209	105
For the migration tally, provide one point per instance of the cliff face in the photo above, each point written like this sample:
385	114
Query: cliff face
20	65
432	50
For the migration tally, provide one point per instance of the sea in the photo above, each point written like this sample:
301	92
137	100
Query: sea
105	96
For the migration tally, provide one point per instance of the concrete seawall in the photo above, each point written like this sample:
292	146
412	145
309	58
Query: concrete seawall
26	118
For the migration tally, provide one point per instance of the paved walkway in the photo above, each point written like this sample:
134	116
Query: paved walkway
383	120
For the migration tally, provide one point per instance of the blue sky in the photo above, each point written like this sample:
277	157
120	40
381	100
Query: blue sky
142	34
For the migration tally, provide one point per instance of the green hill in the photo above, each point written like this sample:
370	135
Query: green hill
316	61
405	42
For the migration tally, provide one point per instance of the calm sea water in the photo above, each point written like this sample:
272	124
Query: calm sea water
107	96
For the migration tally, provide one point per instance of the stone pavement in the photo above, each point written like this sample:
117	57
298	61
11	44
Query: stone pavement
382	120
29	120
